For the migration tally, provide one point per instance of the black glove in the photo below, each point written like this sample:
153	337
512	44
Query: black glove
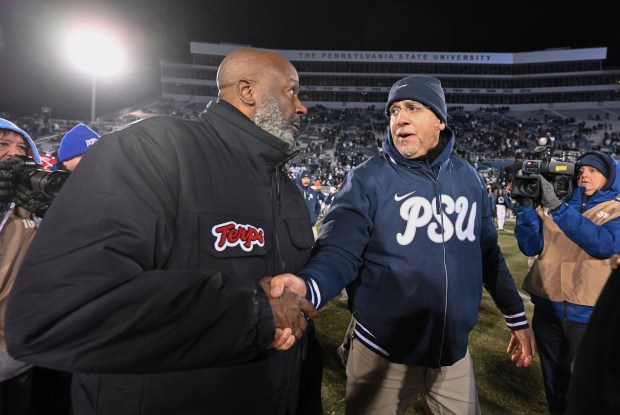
34	202
6	182
547	194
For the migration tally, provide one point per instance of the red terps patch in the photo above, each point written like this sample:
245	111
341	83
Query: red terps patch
231	234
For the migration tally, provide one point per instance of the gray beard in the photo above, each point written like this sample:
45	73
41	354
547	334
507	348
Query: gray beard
269	117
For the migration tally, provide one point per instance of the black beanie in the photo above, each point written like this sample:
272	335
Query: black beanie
424	89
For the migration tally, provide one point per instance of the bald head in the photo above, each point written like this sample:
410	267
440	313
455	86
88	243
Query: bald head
265	87
251	65
246	62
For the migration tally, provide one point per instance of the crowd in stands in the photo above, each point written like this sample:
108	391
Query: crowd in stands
333	141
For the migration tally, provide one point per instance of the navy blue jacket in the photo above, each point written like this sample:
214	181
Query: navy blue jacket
417	265
495	198
312	201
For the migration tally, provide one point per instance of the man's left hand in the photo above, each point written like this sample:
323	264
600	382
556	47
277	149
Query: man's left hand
522	347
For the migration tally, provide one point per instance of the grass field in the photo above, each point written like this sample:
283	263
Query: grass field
503	388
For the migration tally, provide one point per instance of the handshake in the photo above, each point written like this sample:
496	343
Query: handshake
286	294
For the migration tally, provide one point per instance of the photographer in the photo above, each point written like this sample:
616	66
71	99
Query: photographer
17	228
574	241
24	389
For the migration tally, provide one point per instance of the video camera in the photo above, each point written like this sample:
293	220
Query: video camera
557	170
30	174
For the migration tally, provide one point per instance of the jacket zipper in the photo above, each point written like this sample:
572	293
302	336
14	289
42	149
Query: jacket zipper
276	194
445	266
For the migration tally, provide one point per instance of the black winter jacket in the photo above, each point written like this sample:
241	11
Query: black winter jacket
143	275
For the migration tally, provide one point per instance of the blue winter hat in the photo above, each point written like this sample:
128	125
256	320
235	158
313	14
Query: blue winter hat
304	173
425	89
8	125
76	142
597	161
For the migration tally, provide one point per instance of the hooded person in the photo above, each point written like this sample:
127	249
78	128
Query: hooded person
310	196
574	241
23	387
17	228
74	144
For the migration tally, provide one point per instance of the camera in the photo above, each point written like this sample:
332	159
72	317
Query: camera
30	174
558	171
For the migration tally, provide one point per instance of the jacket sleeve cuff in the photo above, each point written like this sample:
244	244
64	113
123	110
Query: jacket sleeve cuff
265	326
313	293
517	321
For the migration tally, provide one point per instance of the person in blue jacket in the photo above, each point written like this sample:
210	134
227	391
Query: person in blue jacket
574	242
412	232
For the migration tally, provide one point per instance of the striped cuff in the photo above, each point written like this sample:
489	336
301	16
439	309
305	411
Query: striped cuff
517	321
313	293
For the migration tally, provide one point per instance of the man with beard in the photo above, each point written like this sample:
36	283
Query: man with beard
155	295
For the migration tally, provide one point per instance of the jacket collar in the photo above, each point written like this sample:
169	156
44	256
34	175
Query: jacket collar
447	139
243	134
579	197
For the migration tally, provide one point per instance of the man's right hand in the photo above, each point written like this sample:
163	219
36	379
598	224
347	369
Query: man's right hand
290	281
289	313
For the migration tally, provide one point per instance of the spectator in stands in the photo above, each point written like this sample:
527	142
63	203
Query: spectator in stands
310	196
596	373
398	221
574	242
155	298
500	203
74	144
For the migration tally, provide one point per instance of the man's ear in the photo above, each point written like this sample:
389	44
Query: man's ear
246	92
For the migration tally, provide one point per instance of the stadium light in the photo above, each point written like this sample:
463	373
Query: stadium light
97	53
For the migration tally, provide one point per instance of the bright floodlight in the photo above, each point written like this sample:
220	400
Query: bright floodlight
95	52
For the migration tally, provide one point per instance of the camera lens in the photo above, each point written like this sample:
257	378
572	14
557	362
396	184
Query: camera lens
531	188
47	182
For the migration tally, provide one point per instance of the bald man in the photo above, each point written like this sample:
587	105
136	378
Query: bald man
155	298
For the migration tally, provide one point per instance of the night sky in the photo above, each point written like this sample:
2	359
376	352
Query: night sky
34	72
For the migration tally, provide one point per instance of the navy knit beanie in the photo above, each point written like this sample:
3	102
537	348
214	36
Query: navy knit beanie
424	89
596	161
76	142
